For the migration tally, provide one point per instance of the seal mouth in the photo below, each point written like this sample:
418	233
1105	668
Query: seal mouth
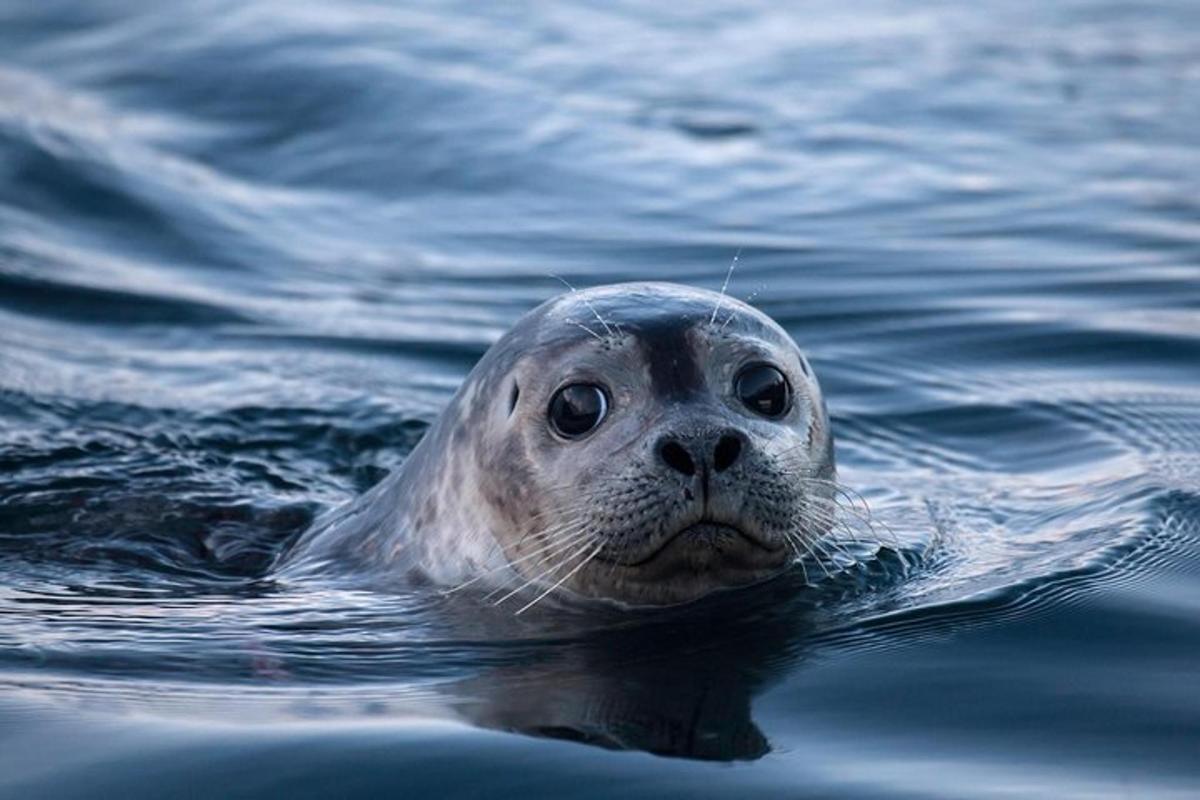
705	532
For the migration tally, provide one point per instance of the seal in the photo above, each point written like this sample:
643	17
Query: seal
641	443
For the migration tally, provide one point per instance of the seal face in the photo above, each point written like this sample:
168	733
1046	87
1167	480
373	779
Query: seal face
642	443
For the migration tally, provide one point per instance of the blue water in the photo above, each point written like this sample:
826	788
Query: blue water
249	249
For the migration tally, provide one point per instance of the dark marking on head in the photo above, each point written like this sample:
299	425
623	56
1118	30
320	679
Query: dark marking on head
460	434
674	372
428	512
505	478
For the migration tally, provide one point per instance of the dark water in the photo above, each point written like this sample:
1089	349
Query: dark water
248	250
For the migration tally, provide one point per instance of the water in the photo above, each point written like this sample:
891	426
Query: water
248	250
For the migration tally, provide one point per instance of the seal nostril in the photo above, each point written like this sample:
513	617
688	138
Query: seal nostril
727	452
677	458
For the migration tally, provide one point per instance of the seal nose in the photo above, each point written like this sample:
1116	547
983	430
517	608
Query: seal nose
683	459
728	448
676	456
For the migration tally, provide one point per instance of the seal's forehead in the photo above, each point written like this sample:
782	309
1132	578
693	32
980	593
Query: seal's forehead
662	323
654	312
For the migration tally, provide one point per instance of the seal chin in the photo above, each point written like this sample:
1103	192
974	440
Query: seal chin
696	560
706	541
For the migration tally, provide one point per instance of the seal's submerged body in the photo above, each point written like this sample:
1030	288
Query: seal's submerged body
643	443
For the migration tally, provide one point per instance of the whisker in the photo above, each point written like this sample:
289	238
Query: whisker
725	286
586	302
567	530
788	537
541	551
803	569
749	299
598	337
820	563
841	532
562	580
863	515
838	547
852	495
546	554
573	545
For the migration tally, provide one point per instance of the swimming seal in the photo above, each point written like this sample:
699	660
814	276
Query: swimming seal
642	443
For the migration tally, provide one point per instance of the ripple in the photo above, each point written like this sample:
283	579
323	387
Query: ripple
248	252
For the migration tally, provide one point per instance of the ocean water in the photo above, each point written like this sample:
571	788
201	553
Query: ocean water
249	249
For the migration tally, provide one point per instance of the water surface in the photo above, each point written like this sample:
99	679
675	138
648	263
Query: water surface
248	250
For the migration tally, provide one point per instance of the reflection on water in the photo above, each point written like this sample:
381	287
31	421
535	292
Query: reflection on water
675	683
248	250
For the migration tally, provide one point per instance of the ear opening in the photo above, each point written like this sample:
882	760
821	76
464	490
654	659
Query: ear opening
512	398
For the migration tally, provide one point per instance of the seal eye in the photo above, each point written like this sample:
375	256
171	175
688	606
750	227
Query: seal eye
764	390
577	409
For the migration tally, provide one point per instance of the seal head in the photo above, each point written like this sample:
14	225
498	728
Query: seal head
642	443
